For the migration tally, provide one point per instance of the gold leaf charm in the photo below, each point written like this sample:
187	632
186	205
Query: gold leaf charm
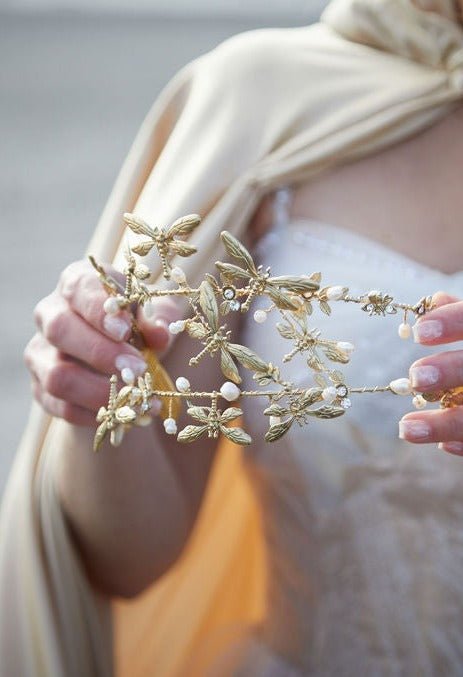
452	398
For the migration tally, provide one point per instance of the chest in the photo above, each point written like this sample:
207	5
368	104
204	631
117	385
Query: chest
408	197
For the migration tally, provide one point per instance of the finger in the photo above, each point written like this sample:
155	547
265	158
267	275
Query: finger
72	335
61	409
83	291
66	379
440	425
436	372
441	298
154	319
455	448
442	325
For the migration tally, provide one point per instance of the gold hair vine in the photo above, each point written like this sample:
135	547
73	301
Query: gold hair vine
238	283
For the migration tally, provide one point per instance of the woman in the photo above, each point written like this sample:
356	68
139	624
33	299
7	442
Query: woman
362	533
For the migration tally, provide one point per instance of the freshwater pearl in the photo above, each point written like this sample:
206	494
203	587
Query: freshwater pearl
170	426
329	394
177	327
128	376
346	346
334	293
182	384
177	274
419	402
404	330
401	386
230	391
260	316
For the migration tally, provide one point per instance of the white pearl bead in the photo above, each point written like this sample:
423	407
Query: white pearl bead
260	316
274	420
128	376
334	293
404	330
346	346
111	306
401	386
182	384
177	274
329	394
230	391
177	327
170	426
419	402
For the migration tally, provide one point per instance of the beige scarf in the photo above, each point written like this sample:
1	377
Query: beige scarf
264	109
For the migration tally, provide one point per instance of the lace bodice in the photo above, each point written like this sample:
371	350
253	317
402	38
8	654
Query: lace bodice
364	531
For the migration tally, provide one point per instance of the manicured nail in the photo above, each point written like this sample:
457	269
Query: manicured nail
116	327
137	365
427	330
424	376
413	430
161	323
452	447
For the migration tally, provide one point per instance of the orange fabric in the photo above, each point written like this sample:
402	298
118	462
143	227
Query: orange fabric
187	619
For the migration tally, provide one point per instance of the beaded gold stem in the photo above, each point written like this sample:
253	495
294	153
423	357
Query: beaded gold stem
238	283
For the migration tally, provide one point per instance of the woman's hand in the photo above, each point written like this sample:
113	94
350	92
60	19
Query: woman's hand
78	346
440	371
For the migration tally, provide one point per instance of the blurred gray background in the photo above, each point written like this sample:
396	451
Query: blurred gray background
76	79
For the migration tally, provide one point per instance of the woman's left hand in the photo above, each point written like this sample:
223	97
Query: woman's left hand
440	371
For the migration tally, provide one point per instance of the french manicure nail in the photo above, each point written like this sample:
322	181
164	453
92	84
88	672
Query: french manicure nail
137	365
427	330
116	327
161	323
424	376
413	430
452	447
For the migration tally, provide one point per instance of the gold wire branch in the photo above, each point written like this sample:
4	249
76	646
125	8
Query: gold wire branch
238	283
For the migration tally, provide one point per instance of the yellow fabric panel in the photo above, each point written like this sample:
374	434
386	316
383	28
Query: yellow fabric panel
216	589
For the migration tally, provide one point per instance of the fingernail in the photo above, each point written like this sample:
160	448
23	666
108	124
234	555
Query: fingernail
424	376
452	447
427	330
413	430
116	327
161	324
137	365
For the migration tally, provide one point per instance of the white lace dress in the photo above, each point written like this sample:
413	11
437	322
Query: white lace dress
364	531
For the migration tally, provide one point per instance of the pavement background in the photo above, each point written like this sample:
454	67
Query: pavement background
74	88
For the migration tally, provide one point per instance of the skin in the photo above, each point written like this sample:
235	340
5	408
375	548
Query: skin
148	485
131	509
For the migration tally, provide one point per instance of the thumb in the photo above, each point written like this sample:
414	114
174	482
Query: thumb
153	320
441	298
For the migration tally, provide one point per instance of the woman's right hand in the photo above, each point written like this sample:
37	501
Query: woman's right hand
77	345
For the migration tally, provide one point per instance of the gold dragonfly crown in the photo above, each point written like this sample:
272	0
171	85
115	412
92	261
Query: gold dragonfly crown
237	283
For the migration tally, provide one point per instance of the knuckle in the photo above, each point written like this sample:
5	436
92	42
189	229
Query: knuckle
55	326
40	310
454	424
71	277
30	351
56	380
99	353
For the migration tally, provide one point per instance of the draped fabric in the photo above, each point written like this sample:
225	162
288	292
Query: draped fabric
265	108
